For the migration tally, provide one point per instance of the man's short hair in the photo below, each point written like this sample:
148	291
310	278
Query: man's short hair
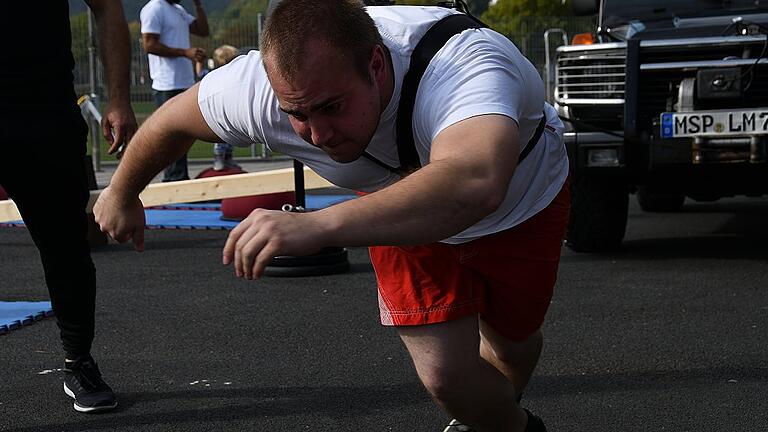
343	24
224	54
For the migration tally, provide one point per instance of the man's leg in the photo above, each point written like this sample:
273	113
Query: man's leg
177	170
54	213
516	360
520	265
447	360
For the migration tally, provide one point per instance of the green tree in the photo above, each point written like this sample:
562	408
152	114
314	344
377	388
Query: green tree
512	17
476	7
417	2
237	24
78	24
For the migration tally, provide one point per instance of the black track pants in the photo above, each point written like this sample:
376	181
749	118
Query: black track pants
46	178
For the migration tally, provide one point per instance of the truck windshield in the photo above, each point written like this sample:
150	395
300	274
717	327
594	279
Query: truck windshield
617	12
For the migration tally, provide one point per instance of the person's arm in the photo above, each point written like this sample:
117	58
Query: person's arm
199	26
152	45
200	70
118	122
471	166
163	138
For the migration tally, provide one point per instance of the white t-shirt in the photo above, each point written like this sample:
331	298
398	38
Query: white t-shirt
171	22
476	72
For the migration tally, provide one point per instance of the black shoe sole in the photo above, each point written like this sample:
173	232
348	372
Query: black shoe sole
85	409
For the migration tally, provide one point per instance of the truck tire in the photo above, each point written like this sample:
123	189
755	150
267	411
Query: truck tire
652	201
598	214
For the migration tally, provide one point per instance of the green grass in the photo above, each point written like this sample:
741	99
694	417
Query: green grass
200	149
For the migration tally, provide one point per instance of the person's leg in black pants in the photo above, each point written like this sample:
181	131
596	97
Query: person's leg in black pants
50	191
176	170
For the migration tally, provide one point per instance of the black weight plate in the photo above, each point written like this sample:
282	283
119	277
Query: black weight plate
318	270
327	256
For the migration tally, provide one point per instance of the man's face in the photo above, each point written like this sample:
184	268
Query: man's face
329	104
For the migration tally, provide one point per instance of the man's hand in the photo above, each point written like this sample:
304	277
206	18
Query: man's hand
123	221
118	125
265	234
195	54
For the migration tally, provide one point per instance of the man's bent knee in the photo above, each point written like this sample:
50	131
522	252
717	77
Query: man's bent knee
508	351
447	385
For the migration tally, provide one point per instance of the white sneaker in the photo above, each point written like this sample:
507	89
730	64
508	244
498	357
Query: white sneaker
456	426
219	163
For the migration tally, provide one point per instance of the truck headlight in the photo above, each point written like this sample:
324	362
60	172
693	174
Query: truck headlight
603	157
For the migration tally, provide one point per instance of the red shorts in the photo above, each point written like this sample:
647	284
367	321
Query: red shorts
507	277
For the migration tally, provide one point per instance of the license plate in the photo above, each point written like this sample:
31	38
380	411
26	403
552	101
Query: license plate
714	123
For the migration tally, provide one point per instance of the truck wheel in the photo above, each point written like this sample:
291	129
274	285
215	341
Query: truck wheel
652	201
598	214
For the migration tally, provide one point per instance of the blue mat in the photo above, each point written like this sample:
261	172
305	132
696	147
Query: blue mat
187	219
315	202
312	201
208	215
16	314
189	206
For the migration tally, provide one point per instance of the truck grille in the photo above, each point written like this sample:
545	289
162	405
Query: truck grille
590	77
701	49
662	70
659	90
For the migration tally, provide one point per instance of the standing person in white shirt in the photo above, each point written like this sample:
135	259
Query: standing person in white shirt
465	248
165	30
222	152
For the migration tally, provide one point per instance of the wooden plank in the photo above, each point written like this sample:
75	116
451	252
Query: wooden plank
211	188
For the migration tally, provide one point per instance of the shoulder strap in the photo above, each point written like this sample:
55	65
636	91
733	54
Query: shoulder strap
534	139
428	46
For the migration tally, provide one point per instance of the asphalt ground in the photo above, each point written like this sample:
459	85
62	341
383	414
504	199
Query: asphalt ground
669	334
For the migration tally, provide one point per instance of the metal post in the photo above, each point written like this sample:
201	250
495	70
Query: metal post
548	62
264	152
95	128
298	183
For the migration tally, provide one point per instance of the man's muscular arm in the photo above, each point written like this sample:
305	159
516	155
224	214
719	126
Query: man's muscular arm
162	139
454	191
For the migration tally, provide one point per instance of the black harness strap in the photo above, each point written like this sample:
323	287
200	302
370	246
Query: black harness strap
534	139
434	39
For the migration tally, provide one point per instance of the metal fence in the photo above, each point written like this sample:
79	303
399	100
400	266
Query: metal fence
242	36
526	32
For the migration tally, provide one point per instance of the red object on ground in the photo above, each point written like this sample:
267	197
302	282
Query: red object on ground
239	208
210	172
3	194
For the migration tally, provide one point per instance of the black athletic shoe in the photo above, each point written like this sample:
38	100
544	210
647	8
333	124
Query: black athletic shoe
83	383
535	424
456	426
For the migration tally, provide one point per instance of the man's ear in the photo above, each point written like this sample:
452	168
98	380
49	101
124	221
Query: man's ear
378	64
